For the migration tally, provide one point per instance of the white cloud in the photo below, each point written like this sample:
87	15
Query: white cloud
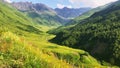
9	1
89	3
62	6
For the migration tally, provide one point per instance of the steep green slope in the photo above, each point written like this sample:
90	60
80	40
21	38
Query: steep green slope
46	19
22	45
99	35
13	20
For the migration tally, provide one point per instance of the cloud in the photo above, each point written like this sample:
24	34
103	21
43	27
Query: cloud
89	3
9	1
62	6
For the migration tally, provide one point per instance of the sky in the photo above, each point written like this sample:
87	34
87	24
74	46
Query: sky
69	3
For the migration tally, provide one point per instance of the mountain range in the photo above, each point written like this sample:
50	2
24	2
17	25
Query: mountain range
87	14
71	12
53	16
40	13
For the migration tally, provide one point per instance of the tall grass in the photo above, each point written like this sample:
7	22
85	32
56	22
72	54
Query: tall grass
16	53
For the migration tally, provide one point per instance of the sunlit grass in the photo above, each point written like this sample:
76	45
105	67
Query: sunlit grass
21	54
71	56
23	51
36	50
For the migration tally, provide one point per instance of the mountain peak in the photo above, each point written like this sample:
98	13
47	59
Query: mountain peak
66	8
29	6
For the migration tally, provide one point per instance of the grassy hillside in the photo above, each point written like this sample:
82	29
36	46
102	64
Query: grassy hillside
45	19
99	35
35	51
23	45
13	20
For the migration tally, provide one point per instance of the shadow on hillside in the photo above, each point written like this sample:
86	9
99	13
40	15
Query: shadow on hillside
30	29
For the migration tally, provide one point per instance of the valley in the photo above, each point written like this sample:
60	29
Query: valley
34	50
25	44
36	36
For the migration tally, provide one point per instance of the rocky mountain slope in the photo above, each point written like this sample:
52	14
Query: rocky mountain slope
71	12
40	13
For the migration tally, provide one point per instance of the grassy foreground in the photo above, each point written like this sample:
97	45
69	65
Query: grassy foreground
32	50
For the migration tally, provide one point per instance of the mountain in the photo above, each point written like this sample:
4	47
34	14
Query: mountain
71	12
24	45
29	6
78	19
40	13
87	14
98	34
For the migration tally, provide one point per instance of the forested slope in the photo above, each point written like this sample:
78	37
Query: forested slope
99	35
